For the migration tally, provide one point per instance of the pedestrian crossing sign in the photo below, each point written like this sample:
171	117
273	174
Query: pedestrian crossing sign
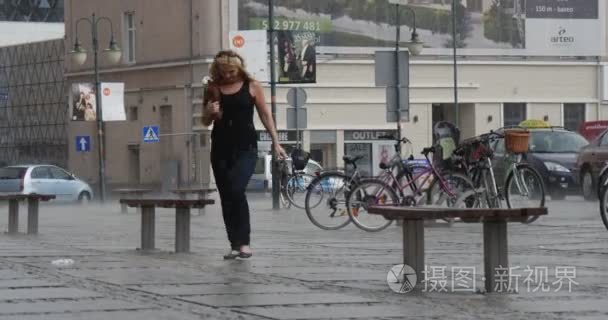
151	134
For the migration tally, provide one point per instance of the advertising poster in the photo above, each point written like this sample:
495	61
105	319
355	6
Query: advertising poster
83	104
383	153
297	57
484	27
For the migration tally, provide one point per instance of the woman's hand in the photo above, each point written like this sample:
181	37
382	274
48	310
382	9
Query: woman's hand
280	152
213	109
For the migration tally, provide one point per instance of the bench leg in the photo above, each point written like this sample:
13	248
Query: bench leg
182	229
13	216
32	216
123	208
495	256
147	228
413	247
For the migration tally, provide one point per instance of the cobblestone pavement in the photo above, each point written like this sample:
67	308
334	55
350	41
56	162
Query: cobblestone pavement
297	272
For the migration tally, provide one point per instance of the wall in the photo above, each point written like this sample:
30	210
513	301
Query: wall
166	48
552	110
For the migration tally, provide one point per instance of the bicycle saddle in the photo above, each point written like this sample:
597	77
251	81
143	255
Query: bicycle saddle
352	160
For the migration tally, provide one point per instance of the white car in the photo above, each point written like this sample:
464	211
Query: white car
44	179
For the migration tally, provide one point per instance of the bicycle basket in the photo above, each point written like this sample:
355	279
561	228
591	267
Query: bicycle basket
474	149
299	159
516	141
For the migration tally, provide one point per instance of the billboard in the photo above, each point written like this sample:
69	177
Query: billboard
82	102
297	56
492	27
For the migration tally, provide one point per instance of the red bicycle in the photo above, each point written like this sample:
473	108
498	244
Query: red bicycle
406	185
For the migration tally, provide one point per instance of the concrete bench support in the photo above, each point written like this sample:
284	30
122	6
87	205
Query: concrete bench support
148	225
13	216
413	246
32	215
182	229
495	252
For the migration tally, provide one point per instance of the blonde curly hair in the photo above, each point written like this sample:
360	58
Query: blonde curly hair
227	58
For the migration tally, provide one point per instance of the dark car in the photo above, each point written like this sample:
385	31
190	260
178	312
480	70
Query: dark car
591	159
552	152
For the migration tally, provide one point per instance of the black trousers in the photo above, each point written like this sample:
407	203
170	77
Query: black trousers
232	170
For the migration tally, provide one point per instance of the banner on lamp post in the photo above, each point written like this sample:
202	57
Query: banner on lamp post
252	45
113	101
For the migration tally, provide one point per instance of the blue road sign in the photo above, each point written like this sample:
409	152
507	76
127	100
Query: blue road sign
151	134
83	143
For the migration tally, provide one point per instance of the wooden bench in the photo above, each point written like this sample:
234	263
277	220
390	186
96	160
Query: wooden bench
494	221
198	192
182	219
33	201
136	193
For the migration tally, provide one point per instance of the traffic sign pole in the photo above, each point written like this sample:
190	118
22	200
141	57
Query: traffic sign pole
273	103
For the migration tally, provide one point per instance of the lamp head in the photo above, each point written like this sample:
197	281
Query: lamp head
79	55
415	46
113	52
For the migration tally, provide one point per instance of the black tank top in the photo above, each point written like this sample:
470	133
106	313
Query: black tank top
235	130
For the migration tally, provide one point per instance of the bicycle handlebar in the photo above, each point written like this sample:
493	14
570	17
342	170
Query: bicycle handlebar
428	150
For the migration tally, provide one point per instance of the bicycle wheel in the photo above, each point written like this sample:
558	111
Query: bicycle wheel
603	204
325	201
526	192
456	183
296	189
369	193
490	197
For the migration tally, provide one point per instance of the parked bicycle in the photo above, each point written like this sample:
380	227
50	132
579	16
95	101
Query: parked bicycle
406	187
523	186
325	202
327	193
294	182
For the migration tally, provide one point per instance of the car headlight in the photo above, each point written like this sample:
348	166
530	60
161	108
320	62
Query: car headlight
552	166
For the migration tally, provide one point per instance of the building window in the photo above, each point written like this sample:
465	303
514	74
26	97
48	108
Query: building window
574	115
514	113
133	113
129	36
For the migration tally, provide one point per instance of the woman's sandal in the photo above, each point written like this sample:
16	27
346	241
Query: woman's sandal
245	255
233	254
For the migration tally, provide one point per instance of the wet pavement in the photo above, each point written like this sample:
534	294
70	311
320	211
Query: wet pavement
297	271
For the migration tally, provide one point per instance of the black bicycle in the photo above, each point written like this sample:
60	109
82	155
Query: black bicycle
325	202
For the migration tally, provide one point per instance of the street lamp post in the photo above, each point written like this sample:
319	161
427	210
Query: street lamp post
273	106
414	47
454	43
79	56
